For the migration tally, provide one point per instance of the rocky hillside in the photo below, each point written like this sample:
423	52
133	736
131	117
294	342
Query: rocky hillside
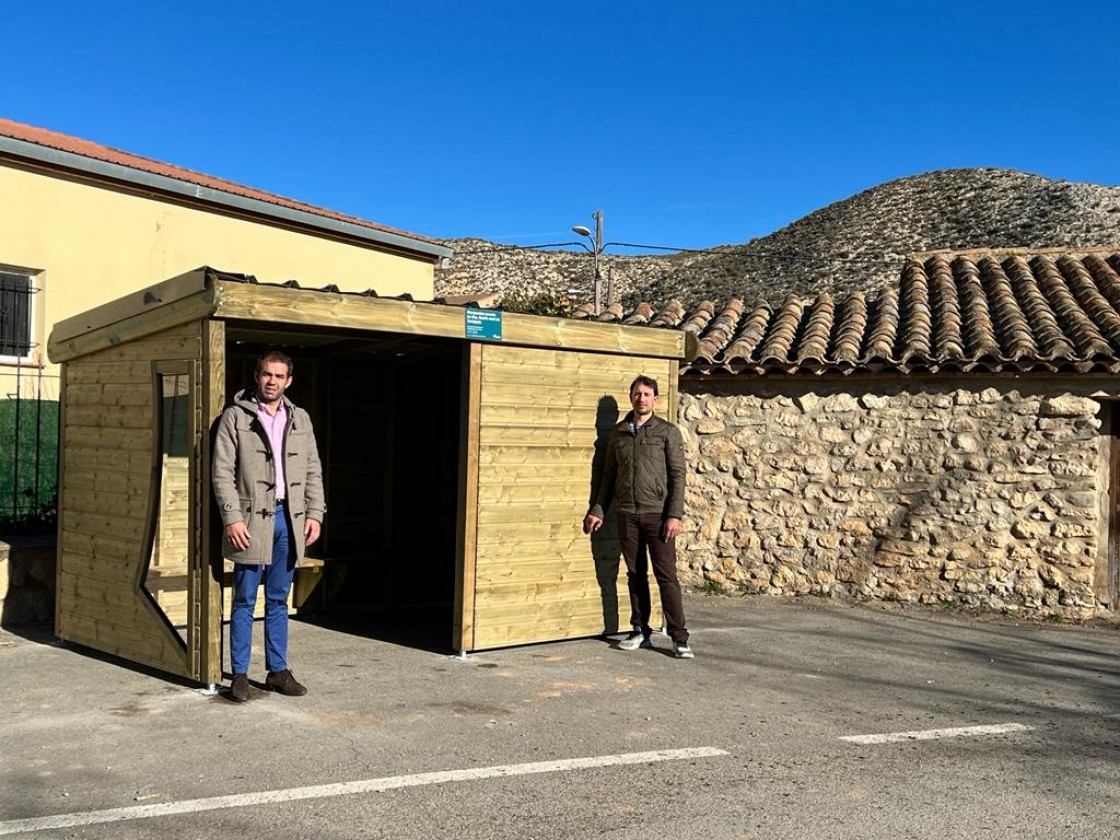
857	243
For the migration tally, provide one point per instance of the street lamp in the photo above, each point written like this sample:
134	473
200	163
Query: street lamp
596	248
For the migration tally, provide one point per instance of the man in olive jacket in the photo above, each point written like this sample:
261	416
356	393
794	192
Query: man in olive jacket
268	483
643	474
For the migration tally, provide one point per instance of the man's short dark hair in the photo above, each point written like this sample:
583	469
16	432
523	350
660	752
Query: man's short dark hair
648	381
275	356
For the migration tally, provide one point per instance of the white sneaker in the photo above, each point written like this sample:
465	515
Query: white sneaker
683	651
634	641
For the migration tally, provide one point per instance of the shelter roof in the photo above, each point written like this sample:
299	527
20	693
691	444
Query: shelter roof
325	317
948	312
75	153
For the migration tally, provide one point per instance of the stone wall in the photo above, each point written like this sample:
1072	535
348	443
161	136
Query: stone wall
986	497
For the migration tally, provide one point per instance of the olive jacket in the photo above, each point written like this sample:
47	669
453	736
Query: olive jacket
244	476
643	472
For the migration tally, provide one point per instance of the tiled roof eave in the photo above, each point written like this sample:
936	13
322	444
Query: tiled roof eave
779	368
254	202
947	315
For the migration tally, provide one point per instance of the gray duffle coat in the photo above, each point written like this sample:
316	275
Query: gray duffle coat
244	476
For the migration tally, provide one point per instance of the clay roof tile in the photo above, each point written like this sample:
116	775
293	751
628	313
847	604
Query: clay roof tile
783	331
1013	332
813	346
1075	323
849	328
883	325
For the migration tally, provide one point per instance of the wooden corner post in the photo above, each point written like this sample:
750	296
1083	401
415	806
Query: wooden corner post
210	553
466	547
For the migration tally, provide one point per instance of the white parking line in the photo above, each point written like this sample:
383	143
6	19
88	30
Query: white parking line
933	734
214	803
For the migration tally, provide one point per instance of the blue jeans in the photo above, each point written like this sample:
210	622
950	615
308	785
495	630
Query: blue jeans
277	583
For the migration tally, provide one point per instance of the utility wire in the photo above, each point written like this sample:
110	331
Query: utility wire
725	251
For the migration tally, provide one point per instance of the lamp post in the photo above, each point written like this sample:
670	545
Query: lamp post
596	248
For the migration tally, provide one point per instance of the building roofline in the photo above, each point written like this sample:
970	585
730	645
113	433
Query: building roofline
139	172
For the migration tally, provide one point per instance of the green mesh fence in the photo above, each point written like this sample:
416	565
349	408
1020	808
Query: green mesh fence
28	465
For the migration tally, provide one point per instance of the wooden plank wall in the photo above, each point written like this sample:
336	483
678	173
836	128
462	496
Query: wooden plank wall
541	413
106	476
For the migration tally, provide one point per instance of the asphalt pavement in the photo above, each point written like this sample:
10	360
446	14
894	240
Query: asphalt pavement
800	718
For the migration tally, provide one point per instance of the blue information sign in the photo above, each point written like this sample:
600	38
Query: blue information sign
484	323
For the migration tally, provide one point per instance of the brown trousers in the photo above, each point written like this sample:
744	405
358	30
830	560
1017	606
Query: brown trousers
640	538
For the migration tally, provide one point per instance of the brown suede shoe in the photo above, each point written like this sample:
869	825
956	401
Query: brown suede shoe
239	688
285	683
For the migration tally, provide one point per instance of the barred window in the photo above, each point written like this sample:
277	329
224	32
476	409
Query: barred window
15	314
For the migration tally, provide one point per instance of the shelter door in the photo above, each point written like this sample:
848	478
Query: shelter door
129	572
530	573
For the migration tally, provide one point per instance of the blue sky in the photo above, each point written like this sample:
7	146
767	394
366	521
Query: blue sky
689	124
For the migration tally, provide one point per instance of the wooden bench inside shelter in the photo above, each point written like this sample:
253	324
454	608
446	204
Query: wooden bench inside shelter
169	589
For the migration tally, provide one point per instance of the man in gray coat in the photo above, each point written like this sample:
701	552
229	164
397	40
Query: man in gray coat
268	483
643	477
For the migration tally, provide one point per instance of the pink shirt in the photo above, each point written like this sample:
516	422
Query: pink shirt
274	425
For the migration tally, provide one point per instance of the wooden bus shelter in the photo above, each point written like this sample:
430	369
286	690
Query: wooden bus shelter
457	443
